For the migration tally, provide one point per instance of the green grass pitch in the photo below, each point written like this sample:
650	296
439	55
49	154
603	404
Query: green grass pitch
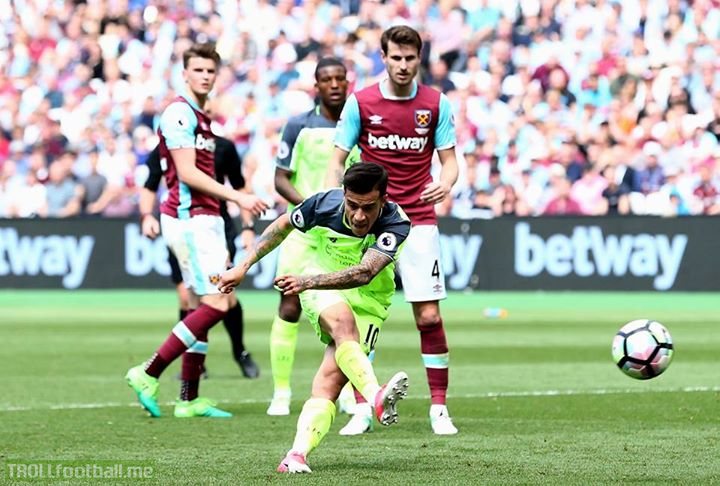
536	396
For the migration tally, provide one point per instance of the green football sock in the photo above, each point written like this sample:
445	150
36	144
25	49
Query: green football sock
313	424
283	340
354	363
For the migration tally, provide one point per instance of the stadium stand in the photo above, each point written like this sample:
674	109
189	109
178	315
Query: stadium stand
600	106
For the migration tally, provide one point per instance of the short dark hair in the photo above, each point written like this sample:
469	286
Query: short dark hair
401	35
327	62
365	177
205	50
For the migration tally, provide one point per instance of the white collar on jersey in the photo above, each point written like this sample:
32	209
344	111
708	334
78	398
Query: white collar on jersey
386	93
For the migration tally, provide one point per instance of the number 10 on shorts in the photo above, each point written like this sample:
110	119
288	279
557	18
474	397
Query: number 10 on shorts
371	337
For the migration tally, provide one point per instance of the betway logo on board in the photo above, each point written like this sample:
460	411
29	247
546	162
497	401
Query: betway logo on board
50	255
588	252
460	254
396	142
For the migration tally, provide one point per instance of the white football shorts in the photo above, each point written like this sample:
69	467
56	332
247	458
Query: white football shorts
199	246
420	265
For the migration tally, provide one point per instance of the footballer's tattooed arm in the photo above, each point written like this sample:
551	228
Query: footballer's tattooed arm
266	242
356	276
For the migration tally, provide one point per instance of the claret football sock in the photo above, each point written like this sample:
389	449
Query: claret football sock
358	397
433	346
183	335
193	363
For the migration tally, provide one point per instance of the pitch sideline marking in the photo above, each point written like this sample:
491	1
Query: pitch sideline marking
539	393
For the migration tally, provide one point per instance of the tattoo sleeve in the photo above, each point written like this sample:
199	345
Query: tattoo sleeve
356	276
268	240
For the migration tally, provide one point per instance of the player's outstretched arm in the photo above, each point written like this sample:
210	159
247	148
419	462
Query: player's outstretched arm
265	243
356	276
192	176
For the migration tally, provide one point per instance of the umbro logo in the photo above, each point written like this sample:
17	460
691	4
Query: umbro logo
375	120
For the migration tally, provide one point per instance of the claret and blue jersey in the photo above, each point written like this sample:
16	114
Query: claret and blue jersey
400	134
184	125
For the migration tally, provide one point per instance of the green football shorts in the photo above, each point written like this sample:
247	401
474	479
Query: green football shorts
369	313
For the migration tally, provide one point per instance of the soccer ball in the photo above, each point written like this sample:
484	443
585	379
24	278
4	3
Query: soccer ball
642	349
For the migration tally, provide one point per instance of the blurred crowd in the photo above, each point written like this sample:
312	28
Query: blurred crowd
586	107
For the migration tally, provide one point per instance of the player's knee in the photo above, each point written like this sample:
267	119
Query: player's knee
220	302
338	322
428	319
289	313
289	309
346	331
343	329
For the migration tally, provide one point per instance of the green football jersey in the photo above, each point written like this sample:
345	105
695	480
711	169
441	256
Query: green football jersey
338	248
306	146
